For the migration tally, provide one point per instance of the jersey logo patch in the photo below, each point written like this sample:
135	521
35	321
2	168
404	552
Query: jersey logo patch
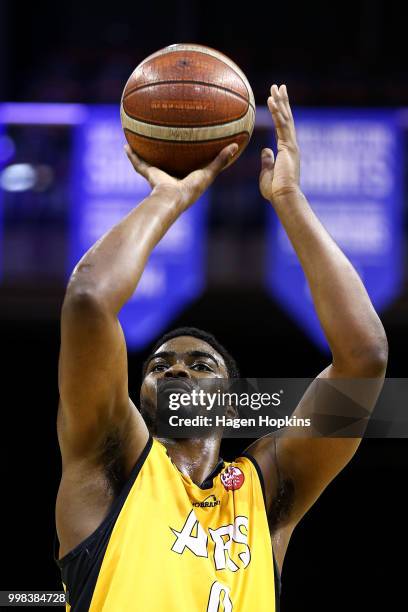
232	478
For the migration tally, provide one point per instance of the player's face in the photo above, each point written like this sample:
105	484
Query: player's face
182	361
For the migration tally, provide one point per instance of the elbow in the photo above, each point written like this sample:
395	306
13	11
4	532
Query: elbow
80	298
370	359
375	362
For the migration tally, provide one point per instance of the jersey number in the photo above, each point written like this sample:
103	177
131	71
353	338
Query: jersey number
216	598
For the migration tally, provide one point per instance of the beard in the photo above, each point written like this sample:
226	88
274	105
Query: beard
156	410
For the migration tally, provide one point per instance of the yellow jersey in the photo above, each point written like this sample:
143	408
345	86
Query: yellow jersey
168	544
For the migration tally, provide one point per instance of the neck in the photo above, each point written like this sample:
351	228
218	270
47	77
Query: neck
195	458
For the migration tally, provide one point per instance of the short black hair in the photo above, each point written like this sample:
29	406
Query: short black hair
230	363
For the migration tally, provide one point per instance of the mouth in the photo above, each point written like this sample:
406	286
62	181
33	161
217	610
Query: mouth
175	386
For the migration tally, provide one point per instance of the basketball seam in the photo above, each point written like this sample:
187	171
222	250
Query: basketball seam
156	54
190	125
198	49
189	128
189	142
189	82
194	47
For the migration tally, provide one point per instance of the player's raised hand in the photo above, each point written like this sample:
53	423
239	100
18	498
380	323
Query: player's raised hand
281	176
186	190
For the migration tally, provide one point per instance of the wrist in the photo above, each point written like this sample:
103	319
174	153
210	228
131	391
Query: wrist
285	194
169	194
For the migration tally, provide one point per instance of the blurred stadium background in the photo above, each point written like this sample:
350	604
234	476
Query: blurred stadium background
64	181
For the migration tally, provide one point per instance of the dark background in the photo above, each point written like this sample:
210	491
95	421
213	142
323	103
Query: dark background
346	553
345	52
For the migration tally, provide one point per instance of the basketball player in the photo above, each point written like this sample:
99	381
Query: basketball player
153	524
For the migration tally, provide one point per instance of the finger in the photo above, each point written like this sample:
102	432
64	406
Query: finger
277	115
220	162
284	106
279	98
137	162
281	123
201	179
267	159
278	105
285	97
223	159
267	170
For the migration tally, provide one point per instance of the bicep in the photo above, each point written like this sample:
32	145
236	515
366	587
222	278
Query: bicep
305	460
92	374
339	407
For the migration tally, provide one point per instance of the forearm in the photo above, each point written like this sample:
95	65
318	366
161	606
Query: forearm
352	328
112	267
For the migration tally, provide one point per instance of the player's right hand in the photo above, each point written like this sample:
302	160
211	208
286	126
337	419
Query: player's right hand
187	190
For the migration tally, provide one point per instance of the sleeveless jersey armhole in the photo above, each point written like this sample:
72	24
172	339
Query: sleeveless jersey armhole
278	581
80	567
113	512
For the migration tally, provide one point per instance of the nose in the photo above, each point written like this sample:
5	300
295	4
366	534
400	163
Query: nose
177	371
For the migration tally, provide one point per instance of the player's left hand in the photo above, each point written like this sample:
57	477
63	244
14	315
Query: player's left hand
187	190
280	177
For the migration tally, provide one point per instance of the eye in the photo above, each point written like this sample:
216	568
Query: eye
159	367
200	366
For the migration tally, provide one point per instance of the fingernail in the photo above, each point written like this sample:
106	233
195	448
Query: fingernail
234	149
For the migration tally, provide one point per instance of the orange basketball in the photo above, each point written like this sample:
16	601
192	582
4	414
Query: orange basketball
183	104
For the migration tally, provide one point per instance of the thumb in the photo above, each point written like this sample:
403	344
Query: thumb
204	177
223	159
267	159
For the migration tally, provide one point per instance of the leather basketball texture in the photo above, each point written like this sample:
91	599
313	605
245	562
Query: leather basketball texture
183	104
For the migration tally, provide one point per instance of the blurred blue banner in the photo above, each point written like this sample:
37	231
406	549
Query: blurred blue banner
3	160
351	173
105	189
